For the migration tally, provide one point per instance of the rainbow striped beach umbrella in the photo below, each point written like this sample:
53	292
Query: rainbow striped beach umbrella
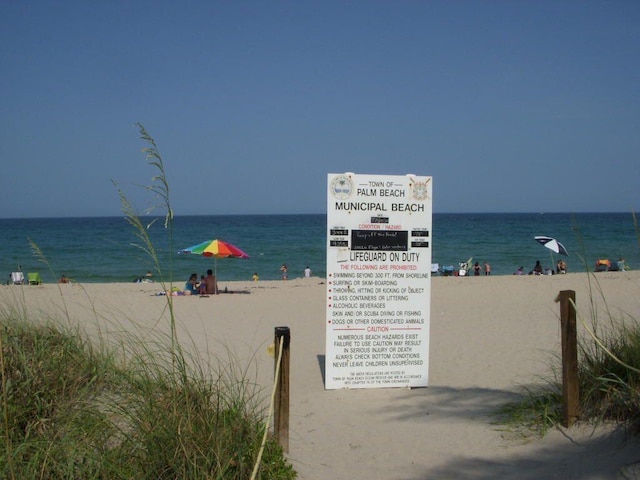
216	249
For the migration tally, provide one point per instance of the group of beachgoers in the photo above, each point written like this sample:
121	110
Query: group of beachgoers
207	285
476	269
284	271
538	269
606	265
468	268
464	269
602	265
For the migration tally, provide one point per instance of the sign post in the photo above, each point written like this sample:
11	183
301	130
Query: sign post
378	281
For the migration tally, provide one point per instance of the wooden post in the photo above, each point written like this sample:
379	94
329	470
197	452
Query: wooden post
281	407
570	387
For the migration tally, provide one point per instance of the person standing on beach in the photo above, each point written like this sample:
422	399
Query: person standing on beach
307	272
284	271
476	269
487	269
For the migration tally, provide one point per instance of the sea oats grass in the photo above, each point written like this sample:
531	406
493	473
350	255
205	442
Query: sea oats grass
135	406
77	411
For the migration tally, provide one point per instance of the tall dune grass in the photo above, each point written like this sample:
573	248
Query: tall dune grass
75	407
76	410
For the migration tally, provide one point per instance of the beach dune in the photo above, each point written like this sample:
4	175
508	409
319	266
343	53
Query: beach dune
489	337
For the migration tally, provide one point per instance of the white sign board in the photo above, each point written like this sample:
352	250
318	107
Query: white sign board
378	281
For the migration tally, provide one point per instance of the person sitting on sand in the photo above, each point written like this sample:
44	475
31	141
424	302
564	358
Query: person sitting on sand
212	285
191	285
561	266
537	269
63	279
202	286
520	271
307	272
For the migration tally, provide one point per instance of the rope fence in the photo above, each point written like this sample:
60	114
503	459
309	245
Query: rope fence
279	405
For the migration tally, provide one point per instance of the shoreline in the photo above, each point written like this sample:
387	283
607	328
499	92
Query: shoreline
182	281
488	339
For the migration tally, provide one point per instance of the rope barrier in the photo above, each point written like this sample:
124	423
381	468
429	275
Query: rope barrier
269	415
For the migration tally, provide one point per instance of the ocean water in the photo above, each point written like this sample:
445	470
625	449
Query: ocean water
104	249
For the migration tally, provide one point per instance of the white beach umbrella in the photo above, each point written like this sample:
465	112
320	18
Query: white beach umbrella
552	244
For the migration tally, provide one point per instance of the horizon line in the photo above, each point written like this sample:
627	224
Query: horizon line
631	212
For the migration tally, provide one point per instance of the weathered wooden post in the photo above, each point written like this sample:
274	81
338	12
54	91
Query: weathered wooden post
570	387
281	404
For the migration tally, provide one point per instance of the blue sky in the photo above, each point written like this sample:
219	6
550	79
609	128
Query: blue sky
511	106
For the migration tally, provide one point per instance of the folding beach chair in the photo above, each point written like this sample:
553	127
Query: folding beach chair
34	278
17	278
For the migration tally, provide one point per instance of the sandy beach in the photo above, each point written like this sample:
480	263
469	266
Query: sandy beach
489	336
